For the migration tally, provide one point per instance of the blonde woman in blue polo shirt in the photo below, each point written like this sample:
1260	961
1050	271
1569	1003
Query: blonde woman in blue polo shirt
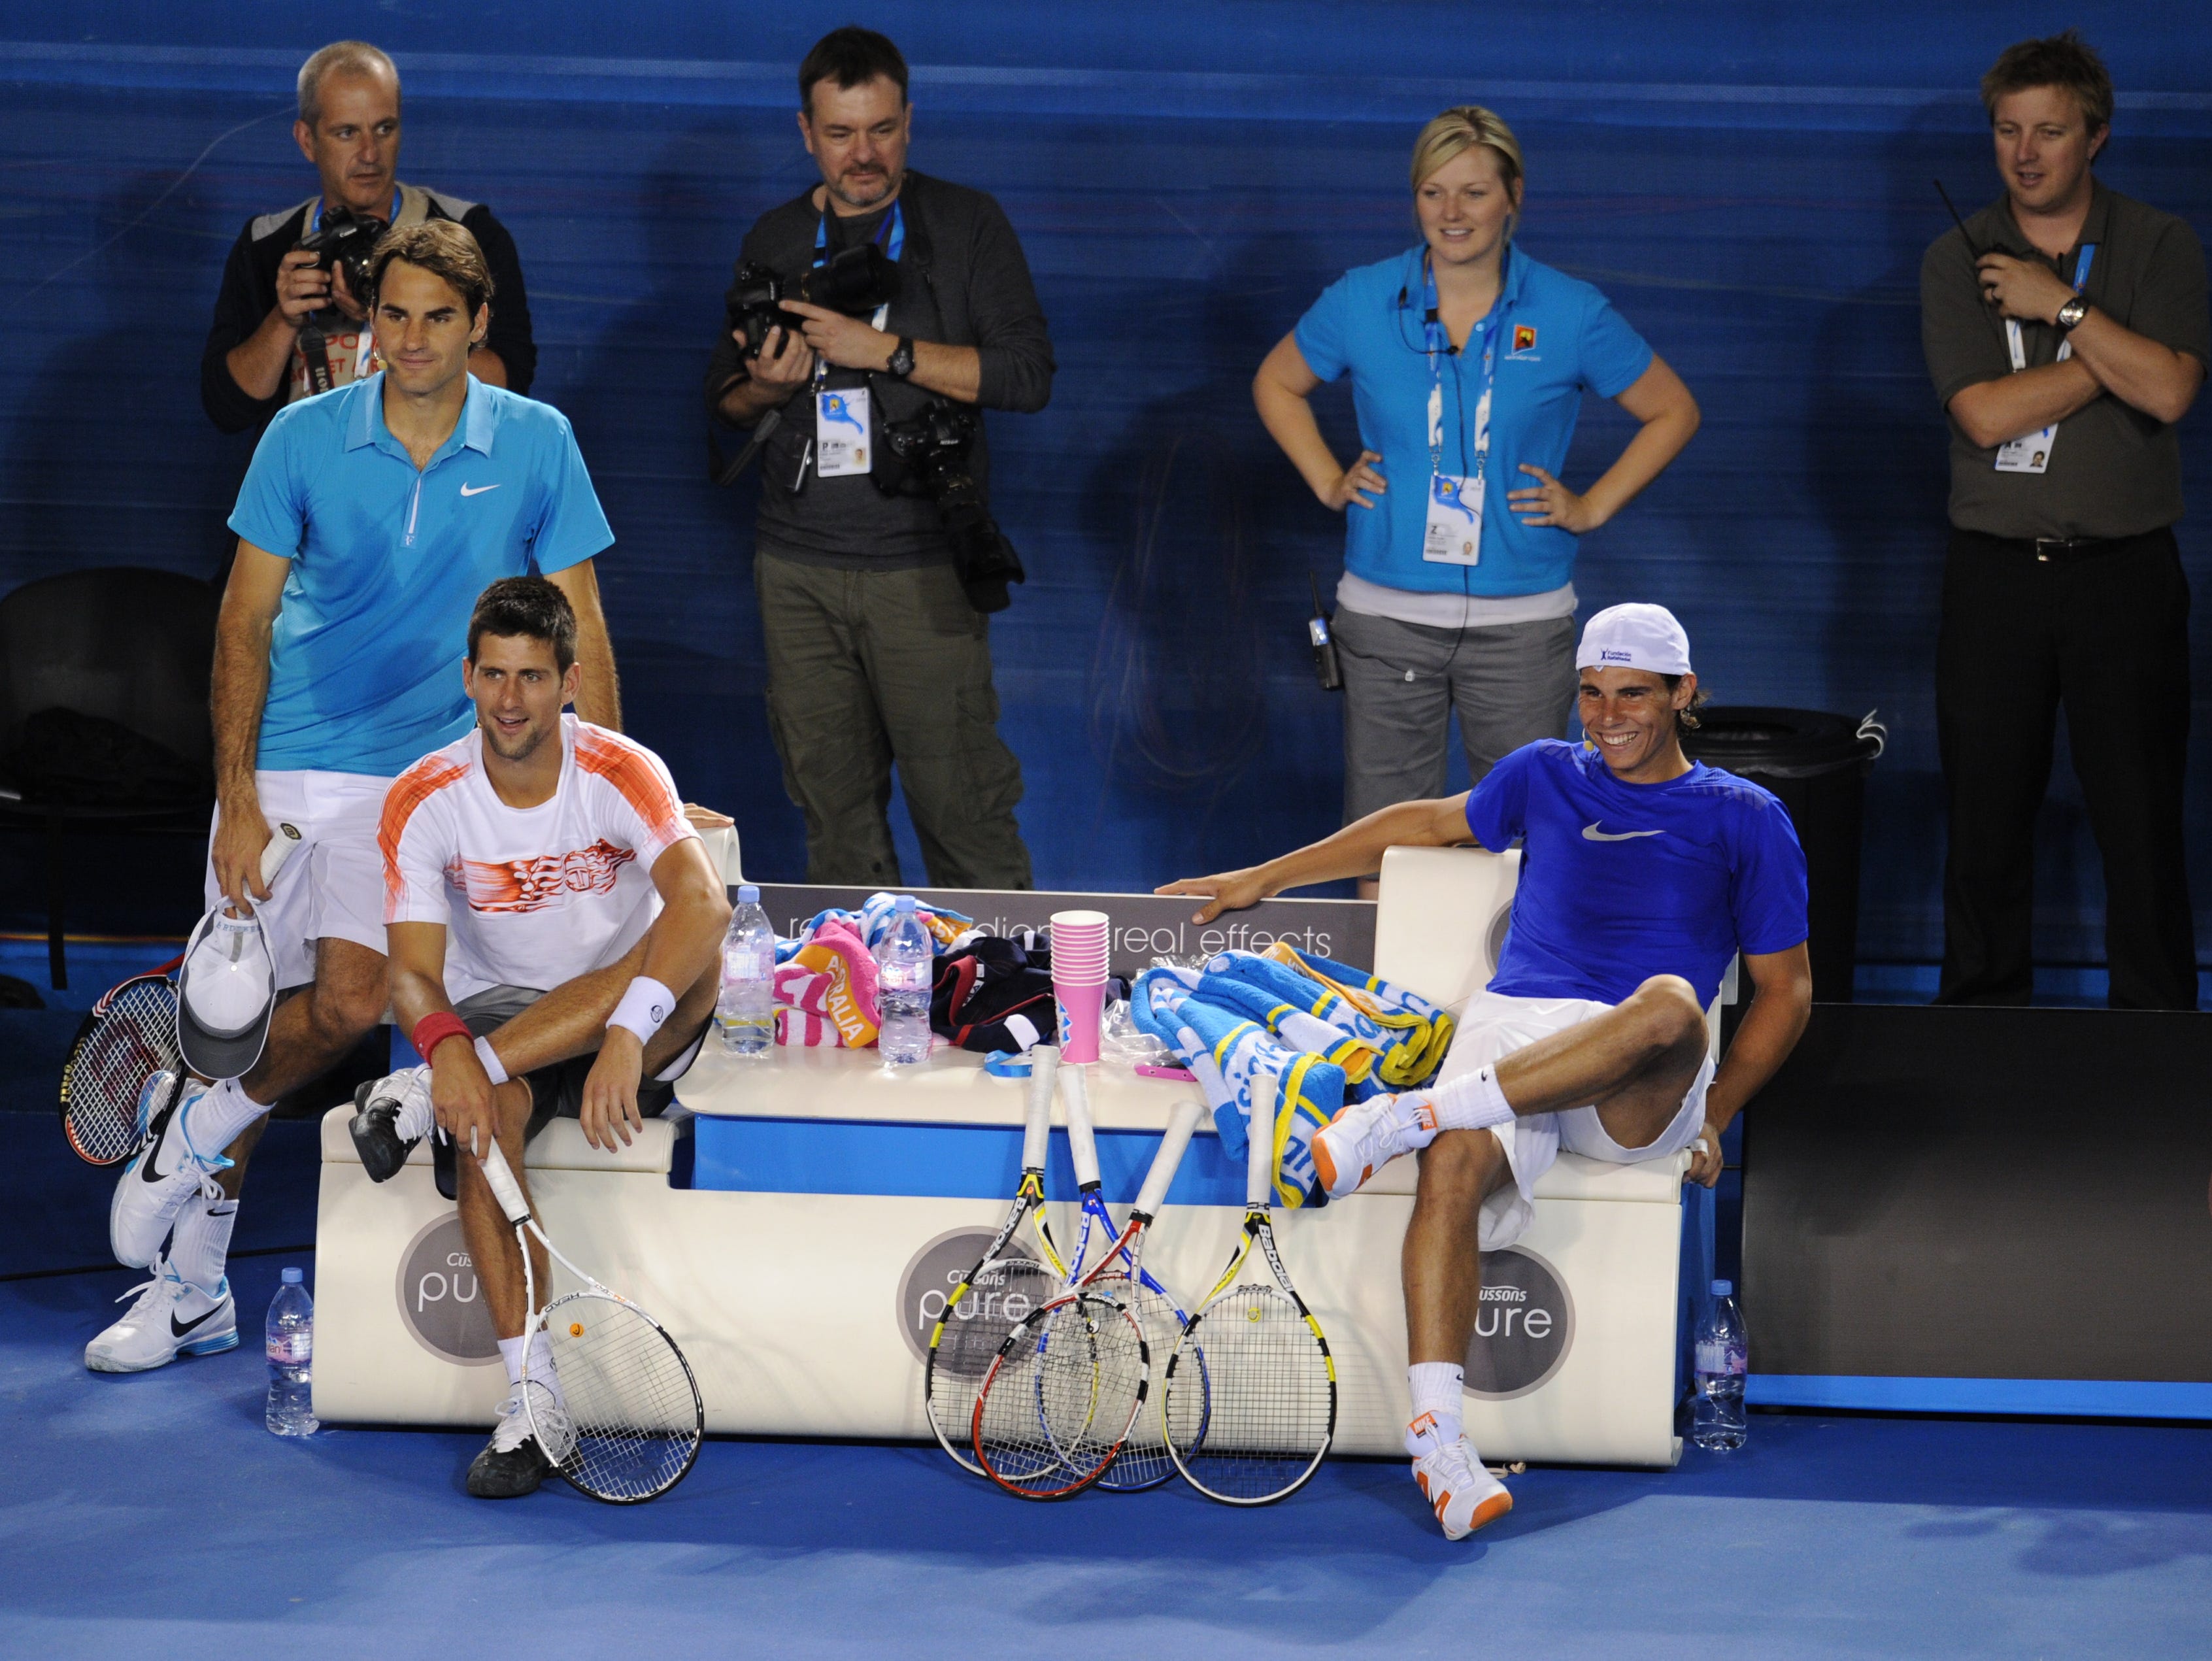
1468	362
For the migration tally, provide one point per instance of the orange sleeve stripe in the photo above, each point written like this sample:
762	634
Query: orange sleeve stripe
409	792
629	769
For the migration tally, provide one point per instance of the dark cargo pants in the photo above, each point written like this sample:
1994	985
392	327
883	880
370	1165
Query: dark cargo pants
869	668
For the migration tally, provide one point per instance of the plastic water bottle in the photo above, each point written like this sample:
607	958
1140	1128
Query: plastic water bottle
745	1011
906	965
1716	1420
289	1335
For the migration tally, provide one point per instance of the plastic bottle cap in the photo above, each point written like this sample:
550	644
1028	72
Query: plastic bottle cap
1724	1288
292	1277
747	894
905	903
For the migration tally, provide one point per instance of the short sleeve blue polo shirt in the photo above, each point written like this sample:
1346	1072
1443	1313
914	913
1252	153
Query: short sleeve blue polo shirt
1562	337
365	662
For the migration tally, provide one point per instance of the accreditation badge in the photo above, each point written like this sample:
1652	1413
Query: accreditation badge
840	432
1454	533
2031	454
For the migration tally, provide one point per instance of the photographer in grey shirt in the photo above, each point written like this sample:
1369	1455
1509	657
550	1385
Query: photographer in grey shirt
874	617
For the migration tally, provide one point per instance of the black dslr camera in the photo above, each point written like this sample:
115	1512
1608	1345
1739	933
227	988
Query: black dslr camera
854	281
928	456
347	240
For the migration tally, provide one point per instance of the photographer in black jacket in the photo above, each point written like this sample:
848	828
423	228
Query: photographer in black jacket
873	603
288	322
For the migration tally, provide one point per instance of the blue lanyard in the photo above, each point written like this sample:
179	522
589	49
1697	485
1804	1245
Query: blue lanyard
2081	265
318	225
894	243
1438	344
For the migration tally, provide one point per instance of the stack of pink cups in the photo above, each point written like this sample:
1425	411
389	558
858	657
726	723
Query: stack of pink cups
1078	980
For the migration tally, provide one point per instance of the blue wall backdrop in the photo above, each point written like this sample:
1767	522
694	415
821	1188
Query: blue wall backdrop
1750	184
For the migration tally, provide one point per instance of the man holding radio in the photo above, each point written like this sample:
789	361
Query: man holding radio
873	471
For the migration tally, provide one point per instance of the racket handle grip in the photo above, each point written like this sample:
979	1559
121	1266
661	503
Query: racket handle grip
1036	1121
281	844
1180	1124
1080	1142
504	1187
1260	1162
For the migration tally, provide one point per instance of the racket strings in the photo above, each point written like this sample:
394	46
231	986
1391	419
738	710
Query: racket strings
633	1412
133	1039
997	1299
1061	1398
1249	1405
1144	1460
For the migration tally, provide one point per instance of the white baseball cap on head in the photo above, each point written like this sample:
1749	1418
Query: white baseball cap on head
1634	636
226	993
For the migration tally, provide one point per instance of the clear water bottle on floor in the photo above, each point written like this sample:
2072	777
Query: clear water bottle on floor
906	967
289	1334
745	1011
1717	1419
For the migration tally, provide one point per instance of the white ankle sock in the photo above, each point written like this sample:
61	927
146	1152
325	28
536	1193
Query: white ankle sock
1472	1102
510	1352
203	1242
214	1121
1436	1406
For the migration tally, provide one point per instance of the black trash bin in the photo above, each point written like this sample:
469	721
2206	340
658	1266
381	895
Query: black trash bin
1817	765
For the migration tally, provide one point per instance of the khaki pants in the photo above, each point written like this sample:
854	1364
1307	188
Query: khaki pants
866	668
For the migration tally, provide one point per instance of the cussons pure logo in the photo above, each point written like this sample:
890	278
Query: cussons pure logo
1006	1293
1524	1326
440	1301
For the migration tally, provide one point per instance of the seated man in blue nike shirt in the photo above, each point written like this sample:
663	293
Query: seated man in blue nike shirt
1641	874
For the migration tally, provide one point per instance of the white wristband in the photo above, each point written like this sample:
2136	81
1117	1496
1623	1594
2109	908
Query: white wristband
644	1007
489	1057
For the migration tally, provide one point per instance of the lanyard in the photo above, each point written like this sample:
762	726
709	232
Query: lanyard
2018	346
890	236
1437	344
318	225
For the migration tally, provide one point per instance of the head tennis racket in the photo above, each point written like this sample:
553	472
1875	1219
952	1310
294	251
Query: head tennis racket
125	1044
1250	1397
1143	1461
624	1420
1002	1288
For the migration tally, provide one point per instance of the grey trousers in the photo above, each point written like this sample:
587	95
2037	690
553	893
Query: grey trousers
1510	686
867	668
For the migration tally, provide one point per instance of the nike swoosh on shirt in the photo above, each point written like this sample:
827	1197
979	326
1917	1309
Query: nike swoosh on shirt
477	490
178	1328
1591	833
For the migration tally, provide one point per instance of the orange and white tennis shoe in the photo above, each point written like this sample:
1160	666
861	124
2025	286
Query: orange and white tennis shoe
1367	1135
1463	1495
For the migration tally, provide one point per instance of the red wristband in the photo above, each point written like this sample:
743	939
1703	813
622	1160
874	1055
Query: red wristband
434	1030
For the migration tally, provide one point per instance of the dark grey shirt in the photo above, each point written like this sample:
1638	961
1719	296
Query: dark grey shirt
964	282
2114	471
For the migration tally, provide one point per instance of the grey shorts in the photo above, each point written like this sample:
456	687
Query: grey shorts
1510	684
556	1091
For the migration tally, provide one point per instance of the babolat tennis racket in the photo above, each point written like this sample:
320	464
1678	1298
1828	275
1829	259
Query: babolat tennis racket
1250	1393
1002	1288
1143	1461
126	1043
1060	1397
625	1420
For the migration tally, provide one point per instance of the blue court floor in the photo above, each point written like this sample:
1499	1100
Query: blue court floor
153	1516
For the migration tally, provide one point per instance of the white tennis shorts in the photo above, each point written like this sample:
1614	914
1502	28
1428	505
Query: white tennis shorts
332	887
1494	1026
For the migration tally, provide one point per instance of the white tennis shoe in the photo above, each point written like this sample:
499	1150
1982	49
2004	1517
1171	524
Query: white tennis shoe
1367	1135
171	1317
158	1181
1463	1495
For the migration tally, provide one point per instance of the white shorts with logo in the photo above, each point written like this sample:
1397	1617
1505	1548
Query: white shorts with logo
1494	1026
332	887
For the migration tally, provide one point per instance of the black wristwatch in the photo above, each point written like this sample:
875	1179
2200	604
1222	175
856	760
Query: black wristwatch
2071	313
901	362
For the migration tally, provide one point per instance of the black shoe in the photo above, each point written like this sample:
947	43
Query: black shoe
508	1473
379	1107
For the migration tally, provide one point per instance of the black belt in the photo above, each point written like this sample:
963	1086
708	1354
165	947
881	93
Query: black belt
2049	551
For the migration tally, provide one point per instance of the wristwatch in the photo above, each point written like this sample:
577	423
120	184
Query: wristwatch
2071	313
902	361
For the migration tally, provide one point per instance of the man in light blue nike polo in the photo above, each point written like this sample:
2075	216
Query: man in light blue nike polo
371	519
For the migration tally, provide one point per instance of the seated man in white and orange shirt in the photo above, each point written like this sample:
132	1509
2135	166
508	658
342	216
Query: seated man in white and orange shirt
544	899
